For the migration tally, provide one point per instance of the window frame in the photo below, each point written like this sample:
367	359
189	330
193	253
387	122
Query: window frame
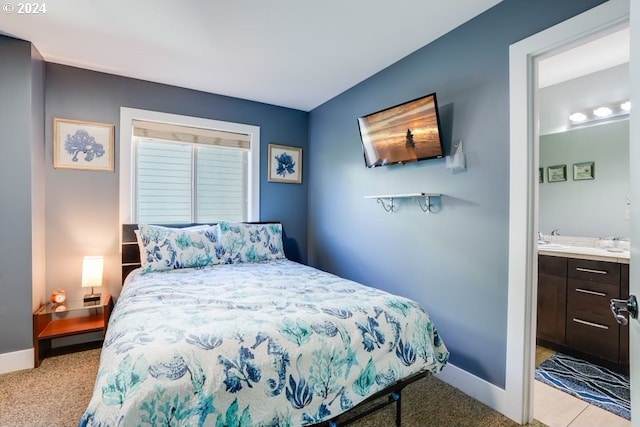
128	214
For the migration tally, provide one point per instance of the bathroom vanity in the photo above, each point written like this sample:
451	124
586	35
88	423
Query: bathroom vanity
575	285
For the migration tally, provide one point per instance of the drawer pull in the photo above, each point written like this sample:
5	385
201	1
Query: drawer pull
586	291
588	270
595	325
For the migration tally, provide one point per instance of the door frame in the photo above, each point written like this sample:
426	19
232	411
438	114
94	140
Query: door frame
523	190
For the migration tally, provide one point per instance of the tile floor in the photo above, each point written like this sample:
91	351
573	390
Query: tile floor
558	409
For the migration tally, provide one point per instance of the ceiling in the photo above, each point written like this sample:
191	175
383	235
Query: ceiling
291	53
590	56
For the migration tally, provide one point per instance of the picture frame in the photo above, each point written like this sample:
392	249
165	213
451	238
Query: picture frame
583	171
540	175
557	173
83	145
285	164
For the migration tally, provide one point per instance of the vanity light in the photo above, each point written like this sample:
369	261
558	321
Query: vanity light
626	106
577	117
602	112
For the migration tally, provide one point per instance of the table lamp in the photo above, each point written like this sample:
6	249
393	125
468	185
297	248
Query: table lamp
92	267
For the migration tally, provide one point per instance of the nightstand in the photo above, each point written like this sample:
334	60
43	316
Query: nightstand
70	318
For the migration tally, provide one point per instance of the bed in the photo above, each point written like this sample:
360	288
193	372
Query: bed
217	327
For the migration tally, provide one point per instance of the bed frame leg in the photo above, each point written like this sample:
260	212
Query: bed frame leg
397	396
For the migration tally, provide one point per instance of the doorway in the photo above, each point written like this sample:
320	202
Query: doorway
523	197
590	74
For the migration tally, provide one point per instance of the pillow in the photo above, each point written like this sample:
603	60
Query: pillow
165	248
242	242
141	247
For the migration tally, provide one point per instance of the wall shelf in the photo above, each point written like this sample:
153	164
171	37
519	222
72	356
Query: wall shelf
388	204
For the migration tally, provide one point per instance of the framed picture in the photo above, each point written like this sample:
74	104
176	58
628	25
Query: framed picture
557	173
285	164
83	145
540	175
583	171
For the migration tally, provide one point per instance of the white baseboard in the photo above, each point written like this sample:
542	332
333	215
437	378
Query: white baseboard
16	361
479	389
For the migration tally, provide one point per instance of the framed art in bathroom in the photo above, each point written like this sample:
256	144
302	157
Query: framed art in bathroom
583	171
557	173
83	145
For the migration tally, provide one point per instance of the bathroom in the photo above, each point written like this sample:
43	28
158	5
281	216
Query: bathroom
584	205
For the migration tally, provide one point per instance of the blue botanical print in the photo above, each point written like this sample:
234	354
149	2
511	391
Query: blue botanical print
124	382
296	331
286	165
231	419
326	370
372	336
387	377
299	393
239	370
366	379
406	353
83	142
205	341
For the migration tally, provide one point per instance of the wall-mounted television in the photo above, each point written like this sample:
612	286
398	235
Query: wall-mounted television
404	133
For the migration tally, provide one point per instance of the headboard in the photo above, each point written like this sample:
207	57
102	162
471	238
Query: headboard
131	252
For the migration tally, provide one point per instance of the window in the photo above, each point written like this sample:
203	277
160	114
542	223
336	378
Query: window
185	169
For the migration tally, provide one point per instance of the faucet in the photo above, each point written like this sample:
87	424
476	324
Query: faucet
541	238
555	232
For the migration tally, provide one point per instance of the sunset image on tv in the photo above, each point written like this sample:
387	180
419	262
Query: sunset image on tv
405	133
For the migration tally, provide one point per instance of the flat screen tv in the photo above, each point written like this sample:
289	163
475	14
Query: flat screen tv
405	133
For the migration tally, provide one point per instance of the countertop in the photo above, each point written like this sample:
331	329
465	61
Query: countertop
582	248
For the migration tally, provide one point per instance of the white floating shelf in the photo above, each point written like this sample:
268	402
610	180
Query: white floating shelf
387	201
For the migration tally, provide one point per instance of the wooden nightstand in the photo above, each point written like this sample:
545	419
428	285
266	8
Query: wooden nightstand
70	318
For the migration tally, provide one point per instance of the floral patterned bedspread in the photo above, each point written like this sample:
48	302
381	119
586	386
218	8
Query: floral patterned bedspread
273	343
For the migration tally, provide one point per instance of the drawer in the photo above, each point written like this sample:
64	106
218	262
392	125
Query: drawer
552	265
600	341
598	271
589	301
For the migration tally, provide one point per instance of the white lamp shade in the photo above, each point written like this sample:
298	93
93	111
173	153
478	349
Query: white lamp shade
92	271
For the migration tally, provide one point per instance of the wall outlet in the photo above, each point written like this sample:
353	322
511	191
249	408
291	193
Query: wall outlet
627	214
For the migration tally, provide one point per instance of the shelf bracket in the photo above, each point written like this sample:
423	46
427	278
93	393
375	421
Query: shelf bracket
424	203
387	206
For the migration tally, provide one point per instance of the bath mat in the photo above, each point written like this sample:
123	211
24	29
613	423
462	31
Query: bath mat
594	384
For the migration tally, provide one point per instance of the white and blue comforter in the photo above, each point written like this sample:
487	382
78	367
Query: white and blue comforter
275	343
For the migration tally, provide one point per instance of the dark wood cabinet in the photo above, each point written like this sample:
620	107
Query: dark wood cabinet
552	299
573	308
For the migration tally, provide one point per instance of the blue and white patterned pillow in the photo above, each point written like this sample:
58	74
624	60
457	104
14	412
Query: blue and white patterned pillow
250	242
167	248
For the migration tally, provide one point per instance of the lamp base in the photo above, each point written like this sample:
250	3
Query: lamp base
91	297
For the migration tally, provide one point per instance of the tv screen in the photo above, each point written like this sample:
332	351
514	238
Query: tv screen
404	133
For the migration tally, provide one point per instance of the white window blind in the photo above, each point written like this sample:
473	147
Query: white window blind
186	174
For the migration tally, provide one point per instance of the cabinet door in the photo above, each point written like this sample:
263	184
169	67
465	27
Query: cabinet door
552	298
552	303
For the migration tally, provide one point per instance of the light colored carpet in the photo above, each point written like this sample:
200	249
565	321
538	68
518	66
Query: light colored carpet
56	394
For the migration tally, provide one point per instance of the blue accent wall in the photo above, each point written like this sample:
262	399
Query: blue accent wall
82	206
454	261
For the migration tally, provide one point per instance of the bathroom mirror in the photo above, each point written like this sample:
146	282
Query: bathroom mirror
593	201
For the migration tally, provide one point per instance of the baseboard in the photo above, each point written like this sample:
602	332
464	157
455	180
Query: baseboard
479	389
16	361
